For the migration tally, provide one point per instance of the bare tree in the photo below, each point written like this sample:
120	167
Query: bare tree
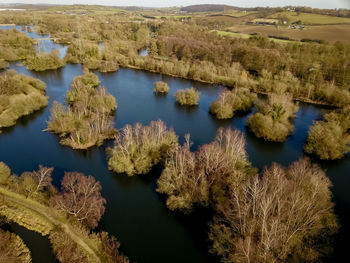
42	177
81	198
274	215
191	178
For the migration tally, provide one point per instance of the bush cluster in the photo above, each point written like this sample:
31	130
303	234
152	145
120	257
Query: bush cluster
229	101
88	118
329	139
44	61
15	45
199	178
13	249
138	148
189	97
273	119
20	95
161	87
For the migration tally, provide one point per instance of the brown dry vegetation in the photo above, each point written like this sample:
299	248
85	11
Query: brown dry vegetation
138	148
279	215
161	87
44	61
88	119
238	99
81	198
273	119
329	139
20	95
188	50
15	45
13	249
26	200
196	178
189	97
282	215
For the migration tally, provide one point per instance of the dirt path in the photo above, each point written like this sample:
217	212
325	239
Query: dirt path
44	212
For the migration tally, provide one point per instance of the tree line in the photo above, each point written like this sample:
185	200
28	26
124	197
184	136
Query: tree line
188	50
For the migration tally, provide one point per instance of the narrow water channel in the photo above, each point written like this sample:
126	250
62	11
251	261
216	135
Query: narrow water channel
39	246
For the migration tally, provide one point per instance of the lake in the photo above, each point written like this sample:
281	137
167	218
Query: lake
135	213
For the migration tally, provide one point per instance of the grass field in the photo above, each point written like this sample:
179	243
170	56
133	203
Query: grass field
232	34
312	19
242	35
330	33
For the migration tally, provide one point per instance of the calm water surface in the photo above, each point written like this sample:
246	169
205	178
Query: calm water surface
135	213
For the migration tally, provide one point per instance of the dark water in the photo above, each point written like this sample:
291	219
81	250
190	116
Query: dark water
39	246
135	213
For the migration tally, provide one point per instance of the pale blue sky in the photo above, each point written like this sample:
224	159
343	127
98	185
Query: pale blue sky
167	3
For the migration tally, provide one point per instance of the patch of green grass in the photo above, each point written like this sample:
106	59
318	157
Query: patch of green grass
311	19
232	34
242	35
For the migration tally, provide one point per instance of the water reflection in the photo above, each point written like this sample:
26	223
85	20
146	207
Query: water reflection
143	52
135	213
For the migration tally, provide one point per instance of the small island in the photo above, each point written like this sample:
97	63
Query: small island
20	95
161	87
273	119
87	120
229	101
187	97
138	148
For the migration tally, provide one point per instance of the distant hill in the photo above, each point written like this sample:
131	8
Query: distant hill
207	8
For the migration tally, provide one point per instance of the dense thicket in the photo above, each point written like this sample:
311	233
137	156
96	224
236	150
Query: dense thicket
273	119
229	101
65	249
88	118
329	139
3	63
5	173
282	215
13	249
321	78
20	95
79	200
44	61
138	148
198	178
310	72
189	97
14	45
161	87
